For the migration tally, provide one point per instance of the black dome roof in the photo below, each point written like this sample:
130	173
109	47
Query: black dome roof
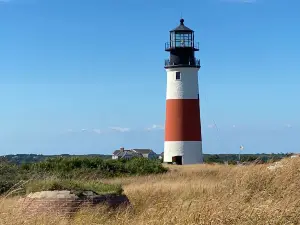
182	27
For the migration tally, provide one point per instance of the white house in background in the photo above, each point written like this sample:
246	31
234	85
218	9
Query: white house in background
161	155
147	153
295	156
125	154
128	154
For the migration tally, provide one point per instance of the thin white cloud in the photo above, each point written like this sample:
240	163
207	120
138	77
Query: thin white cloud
97	131
211	126
76	131
5	1
288	125
155	127
120	129
113	128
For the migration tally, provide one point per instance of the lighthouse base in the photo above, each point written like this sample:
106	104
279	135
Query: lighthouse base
191	151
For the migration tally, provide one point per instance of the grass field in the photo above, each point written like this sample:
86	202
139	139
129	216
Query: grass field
198	194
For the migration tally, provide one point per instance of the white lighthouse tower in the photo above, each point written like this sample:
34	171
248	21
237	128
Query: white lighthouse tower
183	139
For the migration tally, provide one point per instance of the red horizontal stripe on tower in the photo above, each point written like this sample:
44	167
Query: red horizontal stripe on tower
183	120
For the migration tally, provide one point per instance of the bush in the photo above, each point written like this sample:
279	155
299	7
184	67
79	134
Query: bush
70	168
87	167
142	166
76	186
213	159
9	176
232	162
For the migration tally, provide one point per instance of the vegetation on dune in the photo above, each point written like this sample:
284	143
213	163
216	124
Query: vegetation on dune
208	158
79	168
94	167
196	194
76	186
34	158
10	175
245	158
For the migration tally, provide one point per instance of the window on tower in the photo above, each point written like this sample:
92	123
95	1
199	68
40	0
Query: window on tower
178	75
183	40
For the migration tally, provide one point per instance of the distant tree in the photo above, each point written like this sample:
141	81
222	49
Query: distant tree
232	162
213	159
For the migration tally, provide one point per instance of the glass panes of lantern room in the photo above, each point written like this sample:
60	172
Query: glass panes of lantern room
181	39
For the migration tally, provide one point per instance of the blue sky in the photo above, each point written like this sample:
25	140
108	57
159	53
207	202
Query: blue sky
87	76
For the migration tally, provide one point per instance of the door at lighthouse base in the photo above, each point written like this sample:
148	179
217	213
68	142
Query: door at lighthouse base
177	160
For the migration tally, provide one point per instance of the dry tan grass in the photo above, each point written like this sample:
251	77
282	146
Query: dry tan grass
201	194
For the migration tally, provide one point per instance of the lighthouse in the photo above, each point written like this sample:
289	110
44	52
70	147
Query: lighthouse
183	139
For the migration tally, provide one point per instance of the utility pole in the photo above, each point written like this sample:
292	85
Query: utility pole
241	149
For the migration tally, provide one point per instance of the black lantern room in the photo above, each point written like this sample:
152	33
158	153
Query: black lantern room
182	48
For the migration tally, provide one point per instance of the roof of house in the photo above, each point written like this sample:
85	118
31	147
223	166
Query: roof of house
128	153
142	151
117	151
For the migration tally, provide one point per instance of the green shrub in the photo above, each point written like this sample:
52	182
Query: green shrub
79	168
76	186
232	162
96	167
9	176
142	166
